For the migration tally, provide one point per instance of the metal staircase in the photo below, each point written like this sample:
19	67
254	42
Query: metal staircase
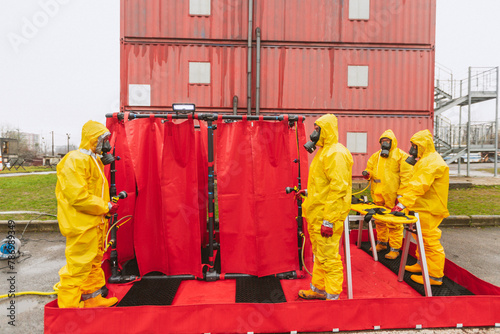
480	85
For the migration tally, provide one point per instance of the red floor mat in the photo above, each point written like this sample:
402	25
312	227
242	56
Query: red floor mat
202	307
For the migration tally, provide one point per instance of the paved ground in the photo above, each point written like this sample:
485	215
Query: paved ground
477	174
475	249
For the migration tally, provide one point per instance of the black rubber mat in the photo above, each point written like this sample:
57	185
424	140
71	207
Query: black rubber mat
151	291
131	268
448	288
259	290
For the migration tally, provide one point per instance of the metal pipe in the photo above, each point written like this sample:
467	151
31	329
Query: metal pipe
423	259
232	276
211	274
257	84
496	132
249	54
212	117
113	254
183	277
235	105
347	257
285	275
116	276
404	255
468	123
459	133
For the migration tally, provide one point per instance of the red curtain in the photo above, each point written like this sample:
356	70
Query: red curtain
165	163
180	204
258	231
145	137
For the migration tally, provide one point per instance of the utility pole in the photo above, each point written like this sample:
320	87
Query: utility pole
52	143
68	140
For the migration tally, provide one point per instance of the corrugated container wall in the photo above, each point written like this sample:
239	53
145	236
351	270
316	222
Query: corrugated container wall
363	60
373	127
394	75
389	22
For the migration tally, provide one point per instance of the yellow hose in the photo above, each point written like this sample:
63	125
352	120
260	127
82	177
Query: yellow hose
302	253
56	286
359	192
106	244
40	293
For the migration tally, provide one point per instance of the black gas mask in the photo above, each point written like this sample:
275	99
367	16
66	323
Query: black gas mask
310	146
412	159
107	158
386	147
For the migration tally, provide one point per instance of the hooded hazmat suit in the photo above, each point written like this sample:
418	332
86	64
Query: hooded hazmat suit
329	198
427	194
389	178
82	194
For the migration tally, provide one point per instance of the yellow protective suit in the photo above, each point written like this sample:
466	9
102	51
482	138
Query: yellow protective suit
427	194
389	178
329	198
82	194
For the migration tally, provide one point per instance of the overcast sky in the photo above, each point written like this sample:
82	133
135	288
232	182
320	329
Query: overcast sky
59	64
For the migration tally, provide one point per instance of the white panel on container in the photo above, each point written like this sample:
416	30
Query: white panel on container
357	142
139	95
357	76
199	73
359	9
199	7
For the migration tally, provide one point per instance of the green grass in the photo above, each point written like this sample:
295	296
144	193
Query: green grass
478	200
28	193
28	169
490	170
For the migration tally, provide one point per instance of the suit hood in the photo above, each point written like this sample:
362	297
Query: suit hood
424	141
92	133
389	134
329	130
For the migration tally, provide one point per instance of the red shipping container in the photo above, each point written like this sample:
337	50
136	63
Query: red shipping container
323	21
305	80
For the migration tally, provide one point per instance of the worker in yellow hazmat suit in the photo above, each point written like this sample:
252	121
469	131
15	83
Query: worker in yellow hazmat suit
389	175
327	205
427	194
82	194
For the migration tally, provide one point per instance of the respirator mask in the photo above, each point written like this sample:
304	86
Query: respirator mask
385	146
103	147
412	159
310	146
107	158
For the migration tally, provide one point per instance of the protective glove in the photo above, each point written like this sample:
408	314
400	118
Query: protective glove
301	194
397	208
113	208
397	200
366	175
326	229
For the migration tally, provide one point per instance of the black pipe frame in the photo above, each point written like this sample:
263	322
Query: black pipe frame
116	276
211	274
205	116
